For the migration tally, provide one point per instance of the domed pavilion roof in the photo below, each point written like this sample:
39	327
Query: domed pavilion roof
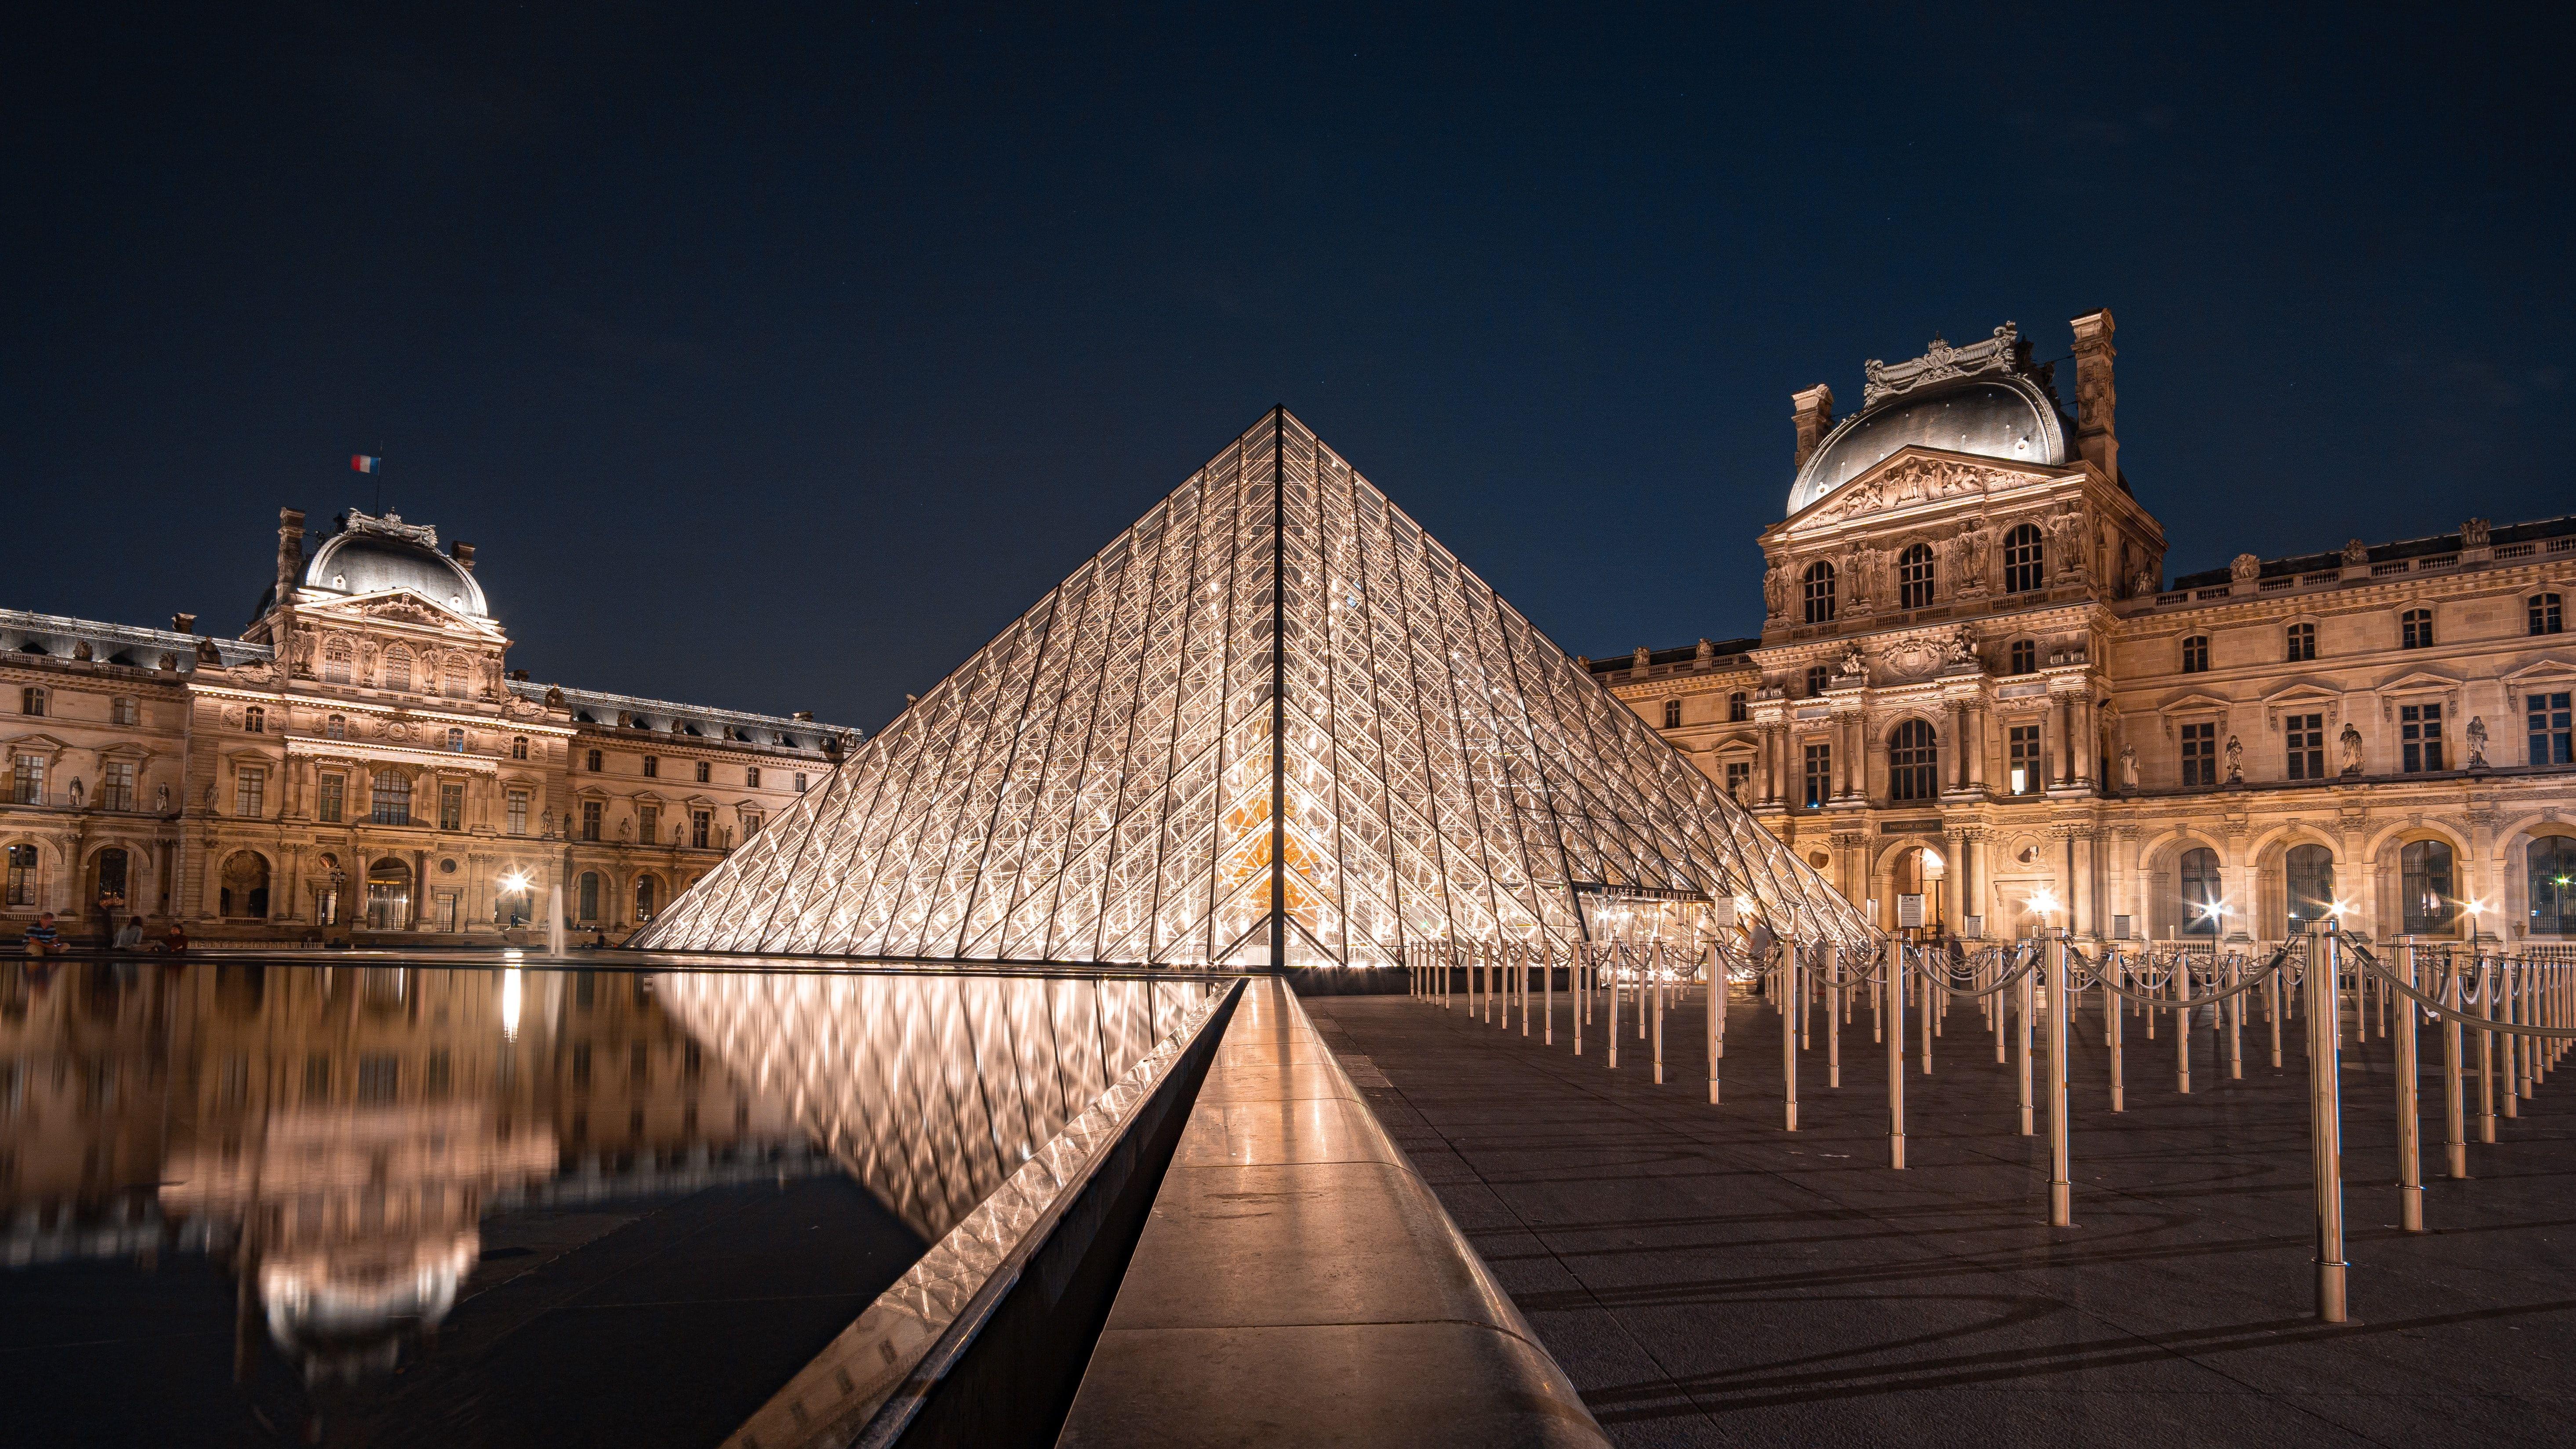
1978	400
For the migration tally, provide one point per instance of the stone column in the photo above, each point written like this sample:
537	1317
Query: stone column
2087	744
1973	890
1978	720
1954	876
2081	910
419	888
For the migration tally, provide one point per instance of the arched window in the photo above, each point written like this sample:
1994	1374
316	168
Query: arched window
254	721
2195	654
457	676
2303	643
2546	617
2202	905
336	657
388	895
2025	560
2025	656
108	872
244	892
1914	577
2424	875
1913	762
21	889
1735	707
398	668
589	897
2553	886
1819	584
519	747
336	727
2415	629
2310	873
1817	675
1672	714
647	898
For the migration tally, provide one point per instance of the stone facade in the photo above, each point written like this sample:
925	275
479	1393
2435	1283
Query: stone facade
360	764
1971	686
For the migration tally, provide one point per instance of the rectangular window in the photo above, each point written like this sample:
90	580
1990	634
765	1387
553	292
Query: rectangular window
444	914
22	875
648	824
2200	754
590	820
392	798
116	785
750	825
250	793
2303	643
706	773
2305	737
27	779
2022	772
518	804
590	761
699	823
124	712
751	776
2551	736
1820	775
2419	737
652	767
330	803
800	782
1739	774
451	806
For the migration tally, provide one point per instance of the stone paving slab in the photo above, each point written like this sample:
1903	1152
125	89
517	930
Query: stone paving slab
1708	1278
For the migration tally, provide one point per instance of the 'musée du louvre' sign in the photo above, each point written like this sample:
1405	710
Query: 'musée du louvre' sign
1273	724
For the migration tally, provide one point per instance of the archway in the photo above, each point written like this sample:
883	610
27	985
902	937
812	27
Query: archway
2550	861
2427	903
2308	871
587	899
388	895
110	886
2204	896
243	895
648	898
1914	880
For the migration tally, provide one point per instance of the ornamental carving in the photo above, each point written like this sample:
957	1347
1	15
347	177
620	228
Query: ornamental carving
2000	353
2473	534
1912	481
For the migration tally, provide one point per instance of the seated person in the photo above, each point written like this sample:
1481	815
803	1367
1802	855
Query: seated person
174	941
44	938
129	937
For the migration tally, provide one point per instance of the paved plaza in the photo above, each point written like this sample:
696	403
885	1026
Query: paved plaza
1706	1278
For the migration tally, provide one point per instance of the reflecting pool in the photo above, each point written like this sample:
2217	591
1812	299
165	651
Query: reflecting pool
388	1201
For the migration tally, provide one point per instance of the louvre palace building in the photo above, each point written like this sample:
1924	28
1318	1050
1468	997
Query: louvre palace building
360	764
1974	687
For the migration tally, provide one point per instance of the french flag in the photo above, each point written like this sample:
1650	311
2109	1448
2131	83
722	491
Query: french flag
361	463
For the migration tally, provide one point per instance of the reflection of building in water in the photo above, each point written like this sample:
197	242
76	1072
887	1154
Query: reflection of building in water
341	1132
930	1089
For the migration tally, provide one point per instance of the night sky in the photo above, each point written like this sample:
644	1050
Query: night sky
776	359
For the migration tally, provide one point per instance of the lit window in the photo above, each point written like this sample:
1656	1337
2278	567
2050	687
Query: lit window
2424	871
589	912
2200	754
2304	736
2546	618
2419	737
2195	654
254	721
2549	718
2552	859
2415	629
1739	774
1914	577
1820	775
2022	773
1672	714
392	798
2302	642
1735	708
518	809
593	762
2202	902
647	897
250	792
2025	656
751	776
22	875
124	711
1819	585
27	780
2024	560
1913	762
519	747
456	742
116	785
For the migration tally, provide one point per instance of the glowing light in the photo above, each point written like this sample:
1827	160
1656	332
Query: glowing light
514	882
510	990
2044	901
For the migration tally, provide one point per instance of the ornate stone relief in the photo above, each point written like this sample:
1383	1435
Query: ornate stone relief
2000	353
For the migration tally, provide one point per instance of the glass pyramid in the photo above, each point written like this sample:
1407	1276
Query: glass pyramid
1274	723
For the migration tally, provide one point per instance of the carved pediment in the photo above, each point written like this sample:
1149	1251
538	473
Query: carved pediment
1909	478
401	606
2540	671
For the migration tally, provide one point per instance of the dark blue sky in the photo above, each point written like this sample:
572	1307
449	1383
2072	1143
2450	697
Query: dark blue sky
775	361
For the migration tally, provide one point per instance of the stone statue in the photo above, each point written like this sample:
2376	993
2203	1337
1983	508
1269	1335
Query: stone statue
2477	748
1852	668
626	828
2351	742
2355	553
1962	646
2235	761
1637	661
2473	534
2145	584
161	800
1705	655
1969	564
80	795
2128	767
2244	567
210	797
81	651
554	697
1775	590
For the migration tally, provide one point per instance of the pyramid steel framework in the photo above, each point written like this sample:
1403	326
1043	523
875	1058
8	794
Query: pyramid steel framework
1274	723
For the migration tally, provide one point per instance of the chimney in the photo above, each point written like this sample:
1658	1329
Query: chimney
2095	398
183	623
1814	416
290	549
463	553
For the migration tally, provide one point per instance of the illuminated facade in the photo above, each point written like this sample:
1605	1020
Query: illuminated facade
360	763
1272	723
1972	686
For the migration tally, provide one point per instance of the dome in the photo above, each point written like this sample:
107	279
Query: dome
362	560
2004	417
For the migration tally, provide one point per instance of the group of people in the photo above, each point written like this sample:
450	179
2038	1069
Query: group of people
44	938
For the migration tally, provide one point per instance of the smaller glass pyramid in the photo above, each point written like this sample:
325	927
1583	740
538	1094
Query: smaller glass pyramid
1274	723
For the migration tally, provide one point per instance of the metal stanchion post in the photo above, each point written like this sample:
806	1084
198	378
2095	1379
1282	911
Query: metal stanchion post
1716	1017
2410	1125
1840	956
1931	1019
1792	993
1994	1003
1615	951
2325	1122
2486	1055
2182	1024
1654	965
2235	1021
2113	1008
1895	998
2455	1136
1547	996
2025	992
2272	1006
1576	961
2061	1017
2517	1083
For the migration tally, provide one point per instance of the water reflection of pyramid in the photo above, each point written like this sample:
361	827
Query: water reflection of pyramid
1272	723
